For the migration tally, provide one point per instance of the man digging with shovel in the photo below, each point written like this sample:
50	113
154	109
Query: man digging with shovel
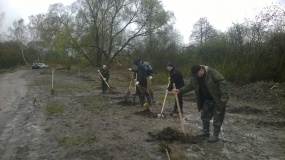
141	84
211	92
176	78
104	77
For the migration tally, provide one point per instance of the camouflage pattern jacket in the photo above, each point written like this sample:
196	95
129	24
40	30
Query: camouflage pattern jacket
215	83
105	73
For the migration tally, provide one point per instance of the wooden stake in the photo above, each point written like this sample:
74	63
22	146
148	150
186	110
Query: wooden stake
52	77
180	115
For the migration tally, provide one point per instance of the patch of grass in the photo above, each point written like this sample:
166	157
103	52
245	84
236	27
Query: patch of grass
161	78
55	107
40	82
76	140
94	101
69	86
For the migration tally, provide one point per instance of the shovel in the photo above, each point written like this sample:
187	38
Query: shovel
180	115
129	89
105	81
161	115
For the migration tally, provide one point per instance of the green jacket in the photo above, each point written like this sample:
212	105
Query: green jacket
105	73
215	83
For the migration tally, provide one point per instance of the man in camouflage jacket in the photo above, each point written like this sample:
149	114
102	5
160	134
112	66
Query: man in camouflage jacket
106	74
211	94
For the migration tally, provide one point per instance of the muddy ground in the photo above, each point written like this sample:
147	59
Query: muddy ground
77	121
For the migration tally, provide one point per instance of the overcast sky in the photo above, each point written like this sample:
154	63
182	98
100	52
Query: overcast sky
220	13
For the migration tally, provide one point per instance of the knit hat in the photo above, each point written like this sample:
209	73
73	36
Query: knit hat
170	64
195	69
136	61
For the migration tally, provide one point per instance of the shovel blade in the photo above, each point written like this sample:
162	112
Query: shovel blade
160	116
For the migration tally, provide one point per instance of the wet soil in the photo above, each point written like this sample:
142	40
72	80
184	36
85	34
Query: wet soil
78	121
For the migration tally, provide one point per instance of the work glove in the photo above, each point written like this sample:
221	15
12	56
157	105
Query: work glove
150	77
137	83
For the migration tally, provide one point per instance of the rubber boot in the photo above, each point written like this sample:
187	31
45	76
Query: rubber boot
215	137
142	100
205	131
152	98
149	100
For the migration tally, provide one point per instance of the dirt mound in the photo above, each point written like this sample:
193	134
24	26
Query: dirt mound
170	135
261	92
146	113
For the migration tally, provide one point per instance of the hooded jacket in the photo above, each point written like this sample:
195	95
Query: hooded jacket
141	73
215	83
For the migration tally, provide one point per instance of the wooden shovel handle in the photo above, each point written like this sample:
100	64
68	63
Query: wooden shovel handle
180	115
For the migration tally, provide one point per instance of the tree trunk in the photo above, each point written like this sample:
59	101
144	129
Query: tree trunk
24	56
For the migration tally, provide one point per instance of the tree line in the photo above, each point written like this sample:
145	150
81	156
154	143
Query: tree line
96	32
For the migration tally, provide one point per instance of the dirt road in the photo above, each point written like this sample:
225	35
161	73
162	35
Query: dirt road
13	89
79	122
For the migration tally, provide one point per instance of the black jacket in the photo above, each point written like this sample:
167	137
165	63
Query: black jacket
177	78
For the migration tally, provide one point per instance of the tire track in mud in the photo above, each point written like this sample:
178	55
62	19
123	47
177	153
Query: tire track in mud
12	92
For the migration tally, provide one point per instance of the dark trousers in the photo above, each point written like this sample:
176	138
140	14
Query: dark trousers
212	109
104	86
143	93
180	101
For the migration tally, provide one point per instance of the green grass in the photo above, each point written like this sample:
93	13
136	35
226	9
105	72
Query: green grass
91	100
69	86
55	107
40	82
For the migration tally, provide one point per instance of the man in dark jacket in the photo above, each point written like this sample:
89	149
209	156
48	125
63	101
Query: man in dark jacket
211	92
105	73
176	78
149	74
141	84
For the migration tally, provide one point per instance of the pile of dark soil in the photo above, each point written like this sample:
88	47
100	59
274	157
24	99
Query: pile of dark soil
146	113
170	135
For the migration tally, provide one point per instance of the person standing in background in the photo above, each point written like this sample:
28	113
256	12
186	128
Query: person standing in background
149	74
141	83
106	74
176	78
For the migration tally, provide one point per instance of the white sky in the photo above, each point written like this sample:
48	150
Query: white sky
220	13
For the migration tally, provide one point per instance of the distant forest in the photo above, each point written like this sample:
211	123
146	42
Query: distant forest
92	33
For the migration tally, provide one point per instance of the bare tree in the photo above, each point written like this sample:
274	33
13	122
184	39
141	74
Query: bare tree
19	34
202	31
2	16
102	29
